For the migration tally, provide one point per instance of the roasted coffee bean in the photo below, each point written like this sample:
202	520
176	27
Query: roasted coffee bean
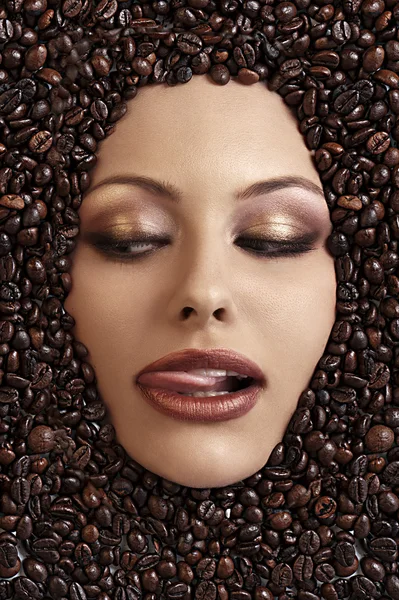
346	102
71	8
99	110
177	590
206	590
345	553
358	489
341	32
9	100
384	548
379	438
392	585
40	142
220	74
378	142
36	57
41	439
309	542
77	592
6	30
282	575
189	43
303	568
390	474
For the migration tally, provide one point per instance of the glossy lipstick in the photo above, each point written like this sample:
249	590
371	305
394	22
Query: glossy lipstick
204	409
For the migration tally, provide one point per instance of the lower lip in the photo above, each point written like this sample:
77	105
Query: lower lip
190	408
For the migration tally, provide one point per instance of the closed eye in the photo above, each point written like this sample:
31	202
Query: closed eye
279	248
133	249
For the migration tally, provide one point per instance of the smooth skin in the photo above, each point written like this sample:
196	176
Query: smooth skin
209	141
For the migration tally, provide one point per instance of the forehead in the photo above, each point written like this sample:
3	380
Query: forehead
202	130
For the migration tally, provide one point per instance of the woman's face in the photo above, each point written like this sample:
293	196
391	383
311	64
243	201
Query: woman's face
209	142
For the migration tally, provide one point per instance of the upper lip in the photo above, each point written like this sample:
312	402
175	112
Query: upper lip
218	358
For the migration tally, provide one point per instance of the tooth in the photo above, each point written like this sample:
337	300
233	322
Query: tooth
209	372
217	373
205	394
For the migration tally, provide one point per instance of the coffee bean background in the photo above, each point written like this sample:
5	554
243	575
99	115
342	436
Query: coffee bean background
90	522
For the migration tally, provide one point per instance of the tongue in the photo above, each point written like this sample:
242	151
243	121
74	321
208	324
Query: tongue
180	381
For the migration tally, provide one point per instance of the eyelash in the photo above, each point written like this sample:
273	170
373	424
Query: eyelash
111	247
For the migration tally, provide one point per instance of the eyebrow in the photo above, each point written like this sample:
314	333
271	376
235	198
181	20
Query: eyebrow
171	192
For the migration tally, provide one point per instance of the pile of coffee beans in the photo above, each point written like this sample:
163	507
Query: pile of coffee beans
80	519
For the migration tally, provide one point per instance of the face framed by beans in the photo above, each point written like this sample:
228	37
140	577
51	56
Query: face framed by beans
90	520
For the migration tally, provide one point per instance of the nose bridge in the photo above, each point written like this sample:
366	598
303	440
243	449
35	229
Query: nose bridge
202	284
203	257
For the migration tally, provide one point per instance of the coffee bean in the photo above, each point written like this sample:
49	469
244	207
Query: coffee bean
99	110
379	438
46	550
345	554
378	142
71	8
77	592
303	568
341	32
220	74
36	57
35	569
387	77
282	575
358	489
20	490
8	395
12	201
28	89
350	202
50	76
40	142
373	58
41	439
225	567
390	474
8	555
384	549
10	571
346	101
201	63
9	100
177	590
6	30
189	43
142	66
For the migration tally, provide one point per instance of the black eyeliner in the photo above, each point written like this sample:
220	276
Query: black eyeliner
110	246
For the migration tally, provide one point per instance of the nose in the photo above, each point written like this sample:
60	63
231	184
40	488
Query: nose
204	303
203	290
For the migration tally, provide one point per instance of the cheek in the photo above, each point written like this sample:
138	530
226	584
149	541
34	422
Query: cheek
110	315
299	312
93	299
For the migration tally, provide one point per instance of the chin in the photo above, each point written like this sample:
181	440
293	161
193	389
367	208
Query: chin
204	479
